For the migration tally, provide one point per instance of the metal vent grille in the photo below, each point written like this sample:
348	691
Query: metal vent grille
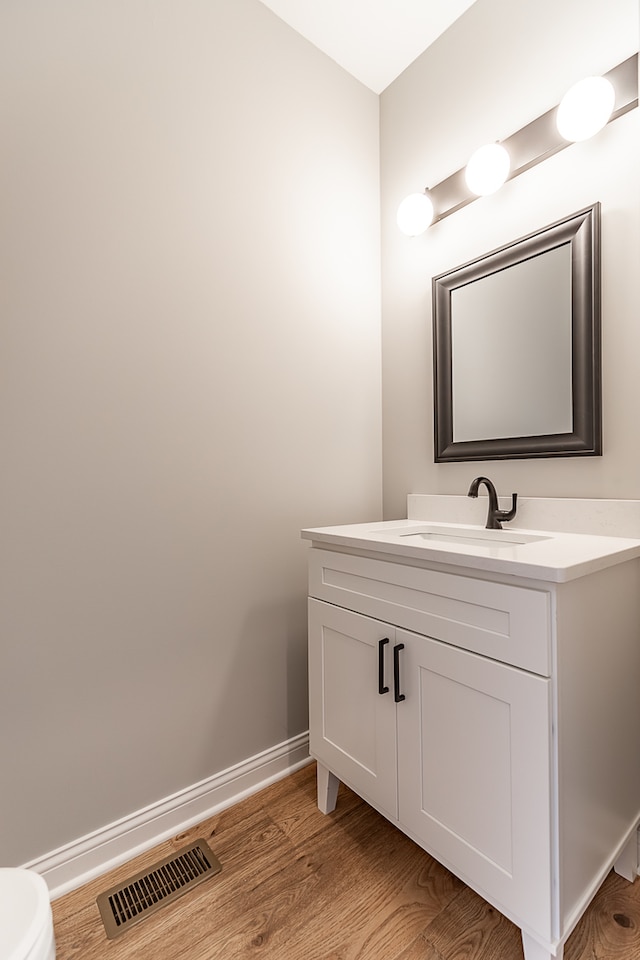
141	895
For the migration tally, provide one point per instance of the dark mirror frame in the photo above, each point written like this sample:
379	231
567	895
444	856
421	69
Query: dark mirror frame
582	231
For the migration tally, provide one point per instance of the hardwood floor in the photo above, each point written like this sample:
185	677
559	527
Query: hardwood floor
299	885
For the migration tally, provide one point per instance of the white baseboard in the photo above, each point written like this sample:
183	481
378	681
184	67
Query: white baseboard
77	862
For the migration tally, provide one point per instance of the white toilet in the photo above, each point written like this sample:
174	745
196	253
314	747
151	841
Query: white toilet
26	922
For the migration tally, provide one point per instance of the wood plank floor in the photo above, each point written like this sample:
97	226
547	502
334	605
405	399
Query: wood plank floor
298	885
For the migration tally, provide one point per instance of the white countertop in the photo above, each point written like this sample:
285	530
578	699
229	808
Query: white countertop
555	557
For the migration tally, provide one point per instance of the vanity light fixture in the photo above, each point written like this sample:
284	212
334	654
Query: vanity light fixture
585	108
487	169
529	146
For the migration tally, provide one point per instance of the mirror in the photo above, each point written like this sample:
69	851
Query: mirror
517	369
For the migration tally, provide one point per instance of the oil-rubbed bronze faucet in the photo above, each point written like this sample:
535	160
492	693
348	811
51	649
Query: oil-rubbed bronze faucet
495	516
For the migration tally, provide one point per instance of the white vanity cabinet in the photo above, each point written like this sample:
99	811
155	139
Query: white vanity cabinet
463	708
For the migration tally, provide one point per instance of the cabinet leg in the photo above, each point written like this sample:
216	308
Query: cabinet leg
534	951
328	785
627	863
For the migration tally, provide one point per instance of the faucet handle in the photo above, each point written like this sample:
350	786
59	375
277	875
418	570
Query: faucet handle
508	514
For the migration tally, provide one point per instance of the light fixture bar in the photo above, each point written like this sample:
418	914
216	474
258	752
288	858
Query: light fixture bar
535	142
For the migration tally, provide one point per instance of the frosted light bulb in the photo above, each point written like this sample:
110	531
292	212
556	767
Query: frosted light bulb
585	108
415	214
487	169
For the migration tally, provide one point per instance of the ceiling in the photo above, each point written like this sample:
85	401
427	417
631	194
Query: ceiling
374	40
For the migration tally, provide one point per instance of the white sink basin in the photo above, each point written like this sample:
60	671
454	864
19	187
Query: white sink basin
427	533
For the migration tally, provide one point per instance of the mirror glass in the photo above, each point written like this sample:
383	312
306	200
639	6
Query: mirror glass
528	360
516	335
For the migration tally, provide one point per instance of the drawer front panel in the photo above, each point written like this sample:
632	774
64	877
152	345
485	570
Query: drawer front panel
506	623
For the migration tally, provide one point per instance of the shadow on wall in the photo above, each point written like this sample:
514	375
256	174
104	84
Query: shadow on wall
267	662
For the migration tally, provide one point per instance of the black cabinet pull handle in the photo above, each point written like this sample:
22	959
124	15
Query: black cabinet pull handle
381	645
397	696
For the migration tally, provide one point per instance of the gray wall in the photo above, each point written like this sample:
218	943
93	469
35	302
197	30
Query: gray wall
190	373
501	65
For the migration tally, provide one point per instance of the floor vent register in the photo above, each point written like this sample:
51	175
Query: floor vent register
125	905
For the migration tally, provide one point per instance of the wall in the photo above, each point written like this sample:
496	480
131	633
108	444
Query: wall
190	350
498	67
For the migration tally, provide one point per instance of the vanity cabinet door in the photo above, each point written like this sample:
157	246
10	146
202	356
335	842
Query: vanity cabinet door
352	726
474	749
